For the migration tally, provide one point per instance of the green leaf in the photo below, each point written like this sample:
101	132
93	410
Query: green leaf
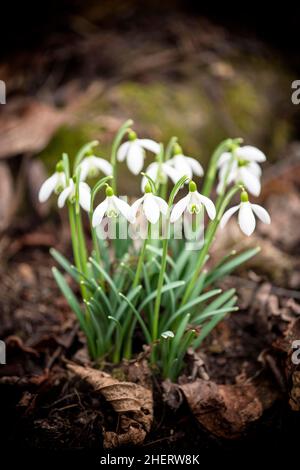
226	268
65	264
172	285
215	304
139	318
175	342
70	297
159	252
209	326
190	305
107	277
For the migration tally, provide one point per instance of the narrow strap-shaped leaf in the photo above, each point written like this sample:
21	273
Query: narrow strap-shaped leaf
65	264
217	303
209	326
139	318
178	337
107	277
122	308
212	313
172	285
189	306
159	252
229	266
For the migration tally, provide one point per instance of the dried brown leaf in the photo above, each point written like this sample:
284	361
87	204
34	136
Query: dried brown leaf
226	410
28	128
7	200
133	402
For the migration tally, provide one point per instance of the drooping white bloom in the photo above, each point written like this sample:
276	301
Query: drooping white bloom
112	206
151	205
84	195
55	184
193	203
246	213
134	152
91	166
241	167
160	172
184	165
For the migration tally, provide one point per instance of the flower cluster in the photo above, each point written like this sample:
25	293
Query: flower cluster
141	286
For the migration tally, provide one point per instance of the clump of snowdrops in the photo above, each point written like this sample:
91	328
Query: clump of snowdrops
154	290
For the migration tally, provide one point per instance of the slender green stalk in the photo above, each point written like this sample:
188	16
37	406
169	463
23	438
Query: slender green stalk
116	143
81	242
75	246
141	258
164	261
209	237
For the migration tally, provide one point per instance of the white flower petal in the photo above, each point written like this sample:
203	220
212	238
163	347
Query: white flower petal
84	168
224	158
99	212
123	207
261	213
247	152
246	218
173	174
179	208
150	145
84	196
151	209
103	165
64	196
135	158
208	204
152	172
250	181
195	165
163	206
48	187
135	207
227	215
181	166
122	151
254	168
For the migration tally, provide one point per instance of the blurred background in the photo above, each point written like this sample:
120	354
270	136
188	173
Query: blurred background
75	70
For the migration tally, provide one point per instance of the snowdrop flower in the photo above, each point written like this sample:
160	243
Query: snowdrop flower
152	206
185	166
91	166
160	172
243	168
112	206
84	194
134	152
246	217
193	203
55	184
